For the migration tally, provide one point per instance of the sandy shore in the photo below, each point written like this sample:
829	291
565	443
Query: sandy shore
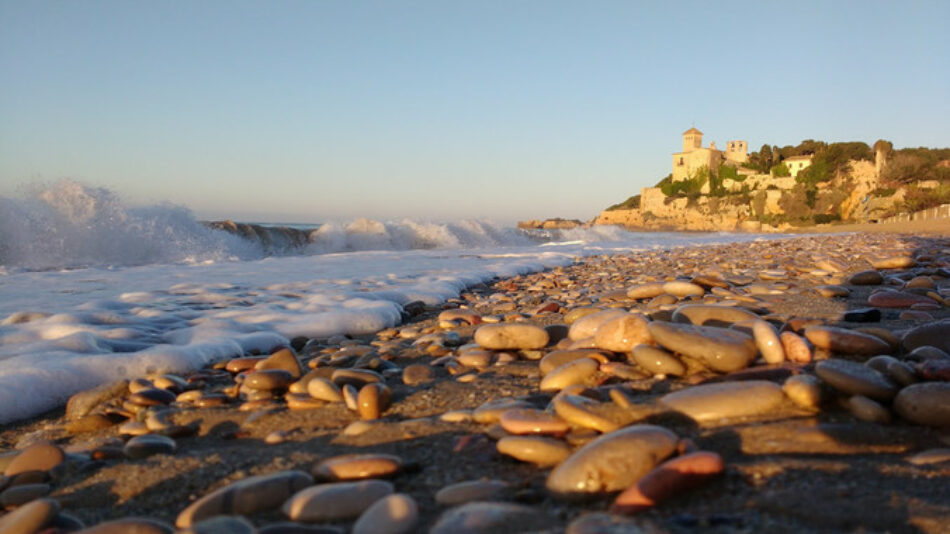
931	227
789	467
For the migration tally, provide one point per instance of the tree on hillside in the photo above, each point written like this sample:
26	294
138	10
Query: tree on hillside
805	148
909	165
883	146
761	160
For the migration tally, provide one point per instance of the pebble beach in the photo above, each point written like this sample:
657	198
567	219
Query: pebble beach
789	385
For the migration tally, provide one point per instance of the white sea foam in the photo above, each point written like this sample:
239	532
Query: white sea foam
67	330
69	225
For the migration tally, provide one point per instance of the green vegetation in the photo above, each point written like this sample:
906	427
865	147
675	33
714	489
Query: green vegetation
780	171
631	203
716	187
730	172
689	188
825	218
773	219
918	198
814	174
909	165
832	161
805	148
760	161
883	192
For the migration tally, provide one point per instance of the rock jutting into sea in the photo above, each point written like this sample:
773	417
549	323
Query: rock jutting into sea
740	387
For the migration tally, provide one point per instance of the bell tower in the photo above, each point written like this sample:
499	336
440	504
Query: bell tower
692	139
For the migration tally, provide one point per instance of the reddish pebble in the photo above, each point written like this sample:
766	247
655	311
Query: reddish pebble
668	479
935	370
897	299
796	348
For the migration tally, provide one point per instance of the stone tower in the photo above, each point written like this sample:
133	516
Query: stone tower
737	151
881	150
692	139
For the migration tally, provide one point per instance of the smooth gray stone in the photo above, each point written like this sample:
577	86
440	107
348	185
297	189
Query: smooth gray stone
246	496
933	334
491	518
232	524
856	379
926	403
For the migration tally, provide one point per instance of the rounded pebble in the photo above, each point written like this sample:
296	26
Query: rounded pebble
855	379
358	466
395	514
540	451
511	336
335	501
719	349
470	490
711	402
926	403
611	462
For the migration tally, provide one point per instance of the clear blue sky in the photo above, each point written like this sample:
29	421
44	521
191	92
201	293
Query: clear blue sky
317	110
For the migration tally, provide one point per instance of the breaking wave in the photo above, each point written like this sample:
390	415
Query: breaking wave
69	225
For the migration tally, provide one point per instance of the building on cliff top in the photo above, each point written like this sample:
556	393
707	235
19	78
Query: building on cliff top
797	164
694	156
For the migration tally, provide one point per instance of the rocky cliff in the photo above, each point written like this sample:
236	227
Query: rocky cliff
762	203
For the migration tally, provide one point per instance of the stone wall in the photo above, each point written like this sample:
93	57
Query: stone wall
651	199
940	212
626	218
704	214
693	161
758	181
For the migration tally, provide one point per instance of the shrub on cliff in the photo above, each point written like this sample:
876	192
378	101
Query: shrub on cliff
631	203
690	188
668	179
724	172
730	172
918	199
819	171
838	156
806	147
780	171
909	165
825	218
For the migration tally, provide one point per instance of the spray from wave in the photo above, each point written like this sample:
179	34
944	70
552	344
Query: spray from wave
68	225
407	234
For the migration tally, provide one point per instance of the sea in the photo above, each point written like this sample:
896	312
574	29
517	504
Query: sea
93	290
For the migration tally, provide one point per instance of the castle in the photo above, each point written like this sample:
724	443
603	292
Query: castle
694	156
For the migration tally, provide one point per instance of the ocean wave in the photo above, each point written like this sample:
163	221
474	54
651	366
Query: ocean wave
68	225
